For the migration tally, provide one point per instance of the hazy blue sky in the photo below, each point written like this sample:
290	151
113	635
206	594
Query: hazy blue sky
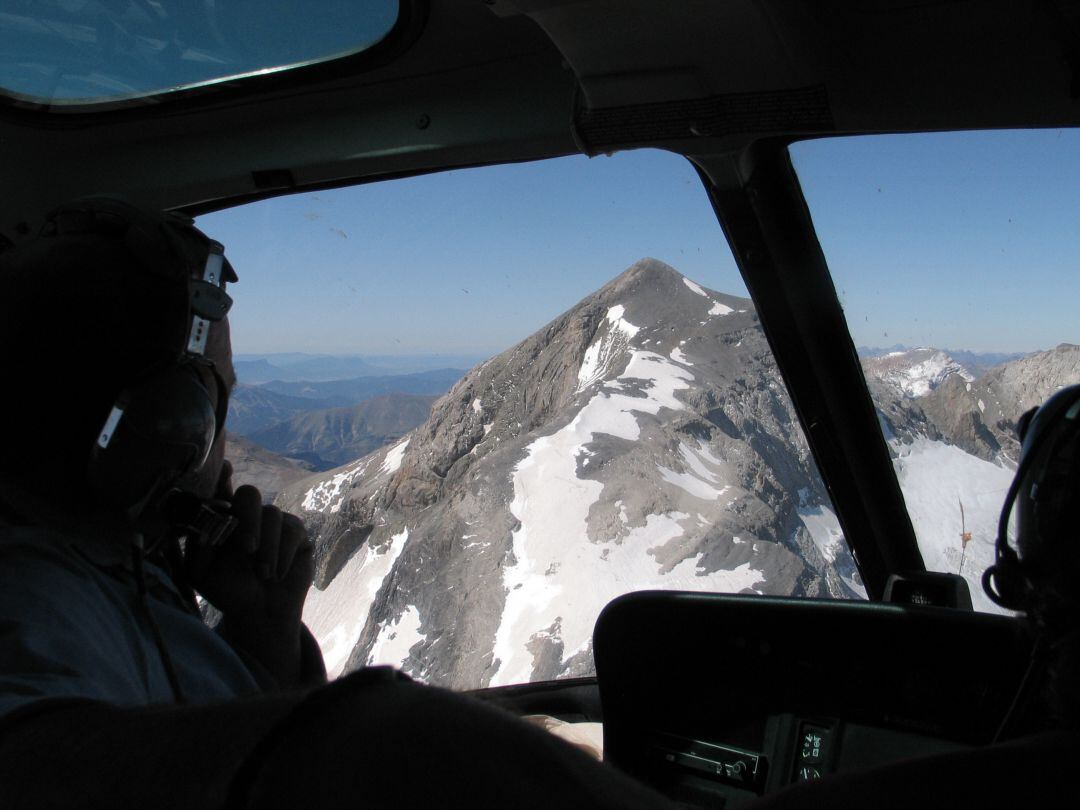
470	260
962	241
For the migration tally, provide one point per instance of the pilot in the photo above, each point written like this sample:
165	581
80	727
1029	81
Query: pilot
117	513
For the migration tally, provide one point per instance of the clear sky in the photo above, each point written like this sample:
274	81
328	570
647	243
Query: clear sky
958	240
965	241
461	261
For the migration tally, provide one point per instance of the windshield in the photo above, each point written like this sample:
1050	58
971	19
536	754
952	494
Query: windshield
955	259
502	397
83	52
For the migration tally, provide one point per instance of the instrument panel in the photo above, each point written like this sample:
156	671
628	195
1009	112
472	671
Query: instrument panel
716	697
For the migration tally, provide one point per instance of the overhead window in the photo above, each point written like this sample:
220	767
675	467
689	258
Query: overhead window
64	53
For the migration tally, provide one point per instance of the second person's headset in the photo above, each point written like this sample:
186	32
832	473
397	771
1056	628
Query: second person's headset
164	420
1045	490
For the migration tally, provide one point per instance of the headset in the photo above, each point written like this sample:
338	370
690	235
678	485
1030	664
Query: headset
1046	487
164	421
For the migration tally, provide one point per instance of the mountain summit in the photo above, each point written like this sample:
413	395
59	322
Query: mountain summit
643	439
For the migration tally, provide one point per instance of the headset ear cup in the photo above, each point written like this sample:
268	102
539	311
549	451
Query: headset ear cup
1024	422
166	430
1007	585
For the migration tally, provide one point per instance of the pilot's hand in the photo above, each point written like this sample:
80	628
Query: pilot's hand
258	577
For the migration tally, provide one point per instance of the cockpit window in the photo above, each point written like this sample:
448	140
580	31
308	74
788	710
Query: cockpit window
66	53
501	397
955	257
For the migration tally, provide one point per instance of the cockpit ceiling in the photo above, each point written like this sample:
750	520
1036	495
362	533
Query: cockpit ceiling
508	80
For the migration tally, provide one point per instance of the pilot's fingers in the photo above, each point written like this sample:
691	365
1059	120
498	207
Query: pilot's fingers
247	509
266	557
198	557
224	490
301	571
294	538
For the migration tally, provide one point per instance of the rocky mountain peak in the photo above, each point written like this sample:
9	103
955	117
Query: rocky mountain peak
643	438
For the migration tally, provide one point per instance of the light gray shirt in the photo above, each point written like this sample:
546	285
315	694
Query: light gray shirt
71	627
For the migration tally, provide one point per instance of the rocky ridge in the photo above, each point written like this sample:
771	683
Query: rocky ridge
977	415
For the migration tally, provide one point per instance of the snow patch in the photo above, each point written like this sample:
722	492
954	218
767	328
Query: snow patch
328	495
552	505
336	616
700	481
678	356
393	458
477	405
694	287
720	309
691	484
396	639
604	350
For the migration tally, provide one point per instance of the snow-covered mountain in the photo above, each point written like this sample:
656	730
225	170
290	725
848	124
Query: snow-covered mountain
642	439
981	415
915	372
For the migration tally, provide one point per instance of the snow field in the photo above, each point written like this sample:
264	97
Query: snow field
393	458
695	287
336	616
558	573
935	479
823	526
720	309
395	640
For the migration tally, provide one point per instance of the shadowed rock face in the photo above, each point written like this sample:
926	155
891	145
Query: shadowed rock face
641	439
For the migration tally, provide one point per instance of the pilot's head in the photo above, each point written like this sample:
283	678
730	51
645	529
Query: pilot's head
117	361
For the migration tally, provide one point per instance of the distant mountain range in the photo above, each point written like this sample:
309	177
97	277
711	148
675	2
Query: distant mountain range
341	393
254	408
261	468
328	438
326	423
294	366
